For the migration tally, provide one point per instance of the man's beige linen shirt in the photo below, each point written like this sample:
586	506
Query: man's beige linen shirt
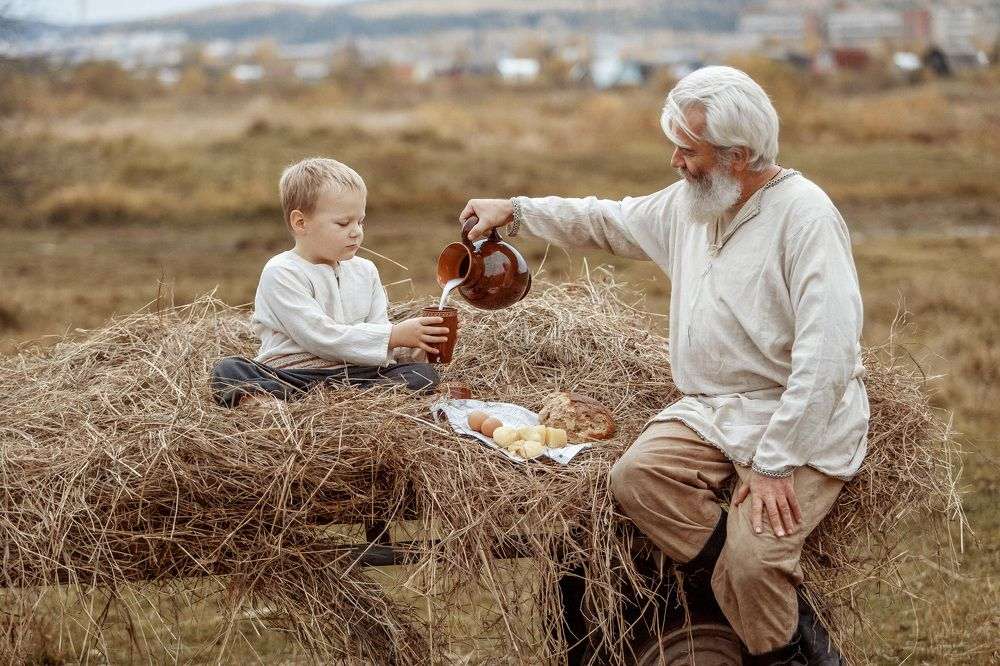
765	319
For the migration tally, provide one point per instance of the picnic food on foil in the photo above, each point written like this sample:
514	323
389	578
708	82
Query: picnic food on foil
476	418
490	425
581	417
527	442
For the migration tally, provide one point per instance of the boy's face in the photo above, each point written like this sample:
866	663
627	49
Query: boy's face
333	231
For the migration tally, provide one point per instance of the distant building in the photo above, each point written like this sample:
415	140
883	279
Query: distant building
834	60
311	71
780	29
614	73
861	28
916	27
518	70
954	27
247	73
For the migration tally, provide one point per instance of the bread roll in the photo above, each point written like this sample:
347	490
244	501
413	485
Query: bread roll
581	417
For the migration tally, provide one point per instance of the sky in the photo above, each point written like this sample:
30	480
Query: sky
74	12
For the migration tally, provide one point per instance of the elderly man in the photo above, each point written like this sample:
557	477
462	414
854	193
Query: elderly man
765	325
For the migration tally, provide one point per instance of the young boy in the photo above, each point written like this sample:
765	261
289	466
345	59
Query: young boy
320	311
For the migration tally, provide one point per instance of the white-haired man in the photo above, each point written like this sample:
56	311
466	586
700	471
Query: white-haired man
765	326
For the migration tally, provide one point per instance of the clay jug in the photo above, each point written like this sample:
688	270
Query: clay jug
495	274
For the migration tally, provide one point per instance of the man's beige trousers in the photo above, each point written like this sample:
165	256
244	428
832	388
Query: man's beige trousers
666	482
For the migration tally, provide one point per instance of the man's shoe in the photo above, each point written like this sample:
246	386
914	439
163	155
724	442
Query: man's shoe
787	655
815	640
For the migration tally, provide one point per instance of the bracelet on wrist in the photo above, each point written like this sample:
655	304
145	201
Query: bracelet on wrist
515	224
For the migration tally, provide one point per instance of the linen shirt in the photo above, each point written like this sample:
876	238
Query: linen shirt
310	315
765	317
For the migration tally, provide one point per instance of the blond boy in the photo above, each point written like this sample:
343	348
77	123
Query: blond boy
320	311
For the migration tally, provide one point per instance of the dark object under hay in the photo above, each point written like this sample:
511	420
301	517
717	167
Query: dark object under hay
117	471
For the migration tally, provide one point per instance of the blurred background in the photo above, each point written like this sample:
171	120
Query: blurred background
141	145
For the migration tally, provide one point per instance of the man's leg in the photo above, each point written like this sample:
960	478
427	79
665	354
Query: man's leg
666	482
757	575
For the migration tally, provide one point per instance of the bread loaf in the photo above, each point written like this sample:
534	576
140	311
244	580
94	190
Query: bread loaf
583	418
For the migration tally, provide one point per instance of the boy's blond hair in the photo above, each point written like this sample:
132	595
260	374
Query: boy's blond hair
302	183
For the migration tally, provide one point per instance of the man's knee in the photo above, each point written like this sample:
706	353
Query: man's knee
626	475
751	559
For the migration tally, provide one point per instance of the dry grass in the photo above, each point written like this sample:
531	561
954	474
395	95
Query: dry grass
120	473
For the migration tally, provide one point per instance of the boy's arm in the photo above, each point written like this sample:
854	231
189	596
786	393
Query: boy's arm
288	305
378	313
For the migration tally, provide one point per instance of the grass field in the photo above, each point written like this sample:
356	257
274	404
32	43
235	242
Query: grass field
103	208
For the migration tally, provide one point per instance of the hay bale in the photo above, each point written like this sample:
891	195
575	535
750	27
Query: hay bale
117	470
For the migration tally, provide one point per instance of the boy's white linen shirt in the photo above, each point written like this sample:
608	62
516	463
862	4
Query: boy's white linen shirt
764	329
336	316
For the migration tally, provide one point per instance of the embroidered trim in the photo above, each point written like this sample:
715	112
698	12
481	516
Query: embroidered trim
842	477
302	361
759	195
772	475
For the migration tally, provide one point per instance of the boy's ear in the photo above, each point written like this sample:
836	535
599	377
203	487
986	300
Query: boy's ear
297	221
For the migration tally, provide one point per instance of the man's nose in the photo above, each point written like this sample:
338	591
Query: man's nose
676	161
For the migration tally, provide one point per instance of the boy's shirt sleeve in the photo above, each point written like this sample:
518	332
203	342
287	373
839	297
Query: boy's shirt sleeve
379	314
288	300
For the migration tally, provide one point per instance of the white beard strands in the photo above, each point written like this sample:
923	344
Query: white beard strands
708	197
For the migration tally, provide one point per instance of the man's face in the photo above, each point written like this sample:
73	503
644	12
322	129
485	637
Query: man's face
711	184
333	231
695	158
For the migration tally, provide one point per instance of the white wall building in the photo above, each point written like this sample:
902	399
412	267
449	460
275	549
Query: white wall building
863	28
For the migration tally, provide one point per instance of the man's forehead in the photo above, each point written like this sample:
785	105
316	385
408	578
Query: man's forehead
694	118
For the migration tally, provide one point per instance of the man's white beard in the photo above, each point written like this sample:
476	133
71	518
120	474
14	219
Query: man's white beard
708	197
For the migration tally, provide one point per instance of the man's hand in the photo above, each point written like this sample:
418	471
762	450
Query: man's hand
419	332
778	496
491	213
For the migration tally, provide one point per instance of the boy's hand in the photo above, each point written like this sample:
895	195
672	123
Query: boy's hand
419	332
491	213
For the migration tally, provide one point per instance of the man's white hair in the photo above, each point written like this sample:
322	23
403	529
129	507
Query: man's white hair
738	113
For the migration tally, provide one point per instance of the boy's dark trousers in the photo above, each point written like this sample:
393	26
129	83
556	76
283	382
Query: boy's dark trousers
235	376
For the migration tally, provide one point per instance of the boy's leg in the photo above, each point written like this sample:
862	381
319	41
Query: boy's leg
415	376
757	575
235	377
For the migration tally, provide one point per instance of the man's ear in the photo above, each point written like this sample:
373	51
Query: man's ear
741	158
297	221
